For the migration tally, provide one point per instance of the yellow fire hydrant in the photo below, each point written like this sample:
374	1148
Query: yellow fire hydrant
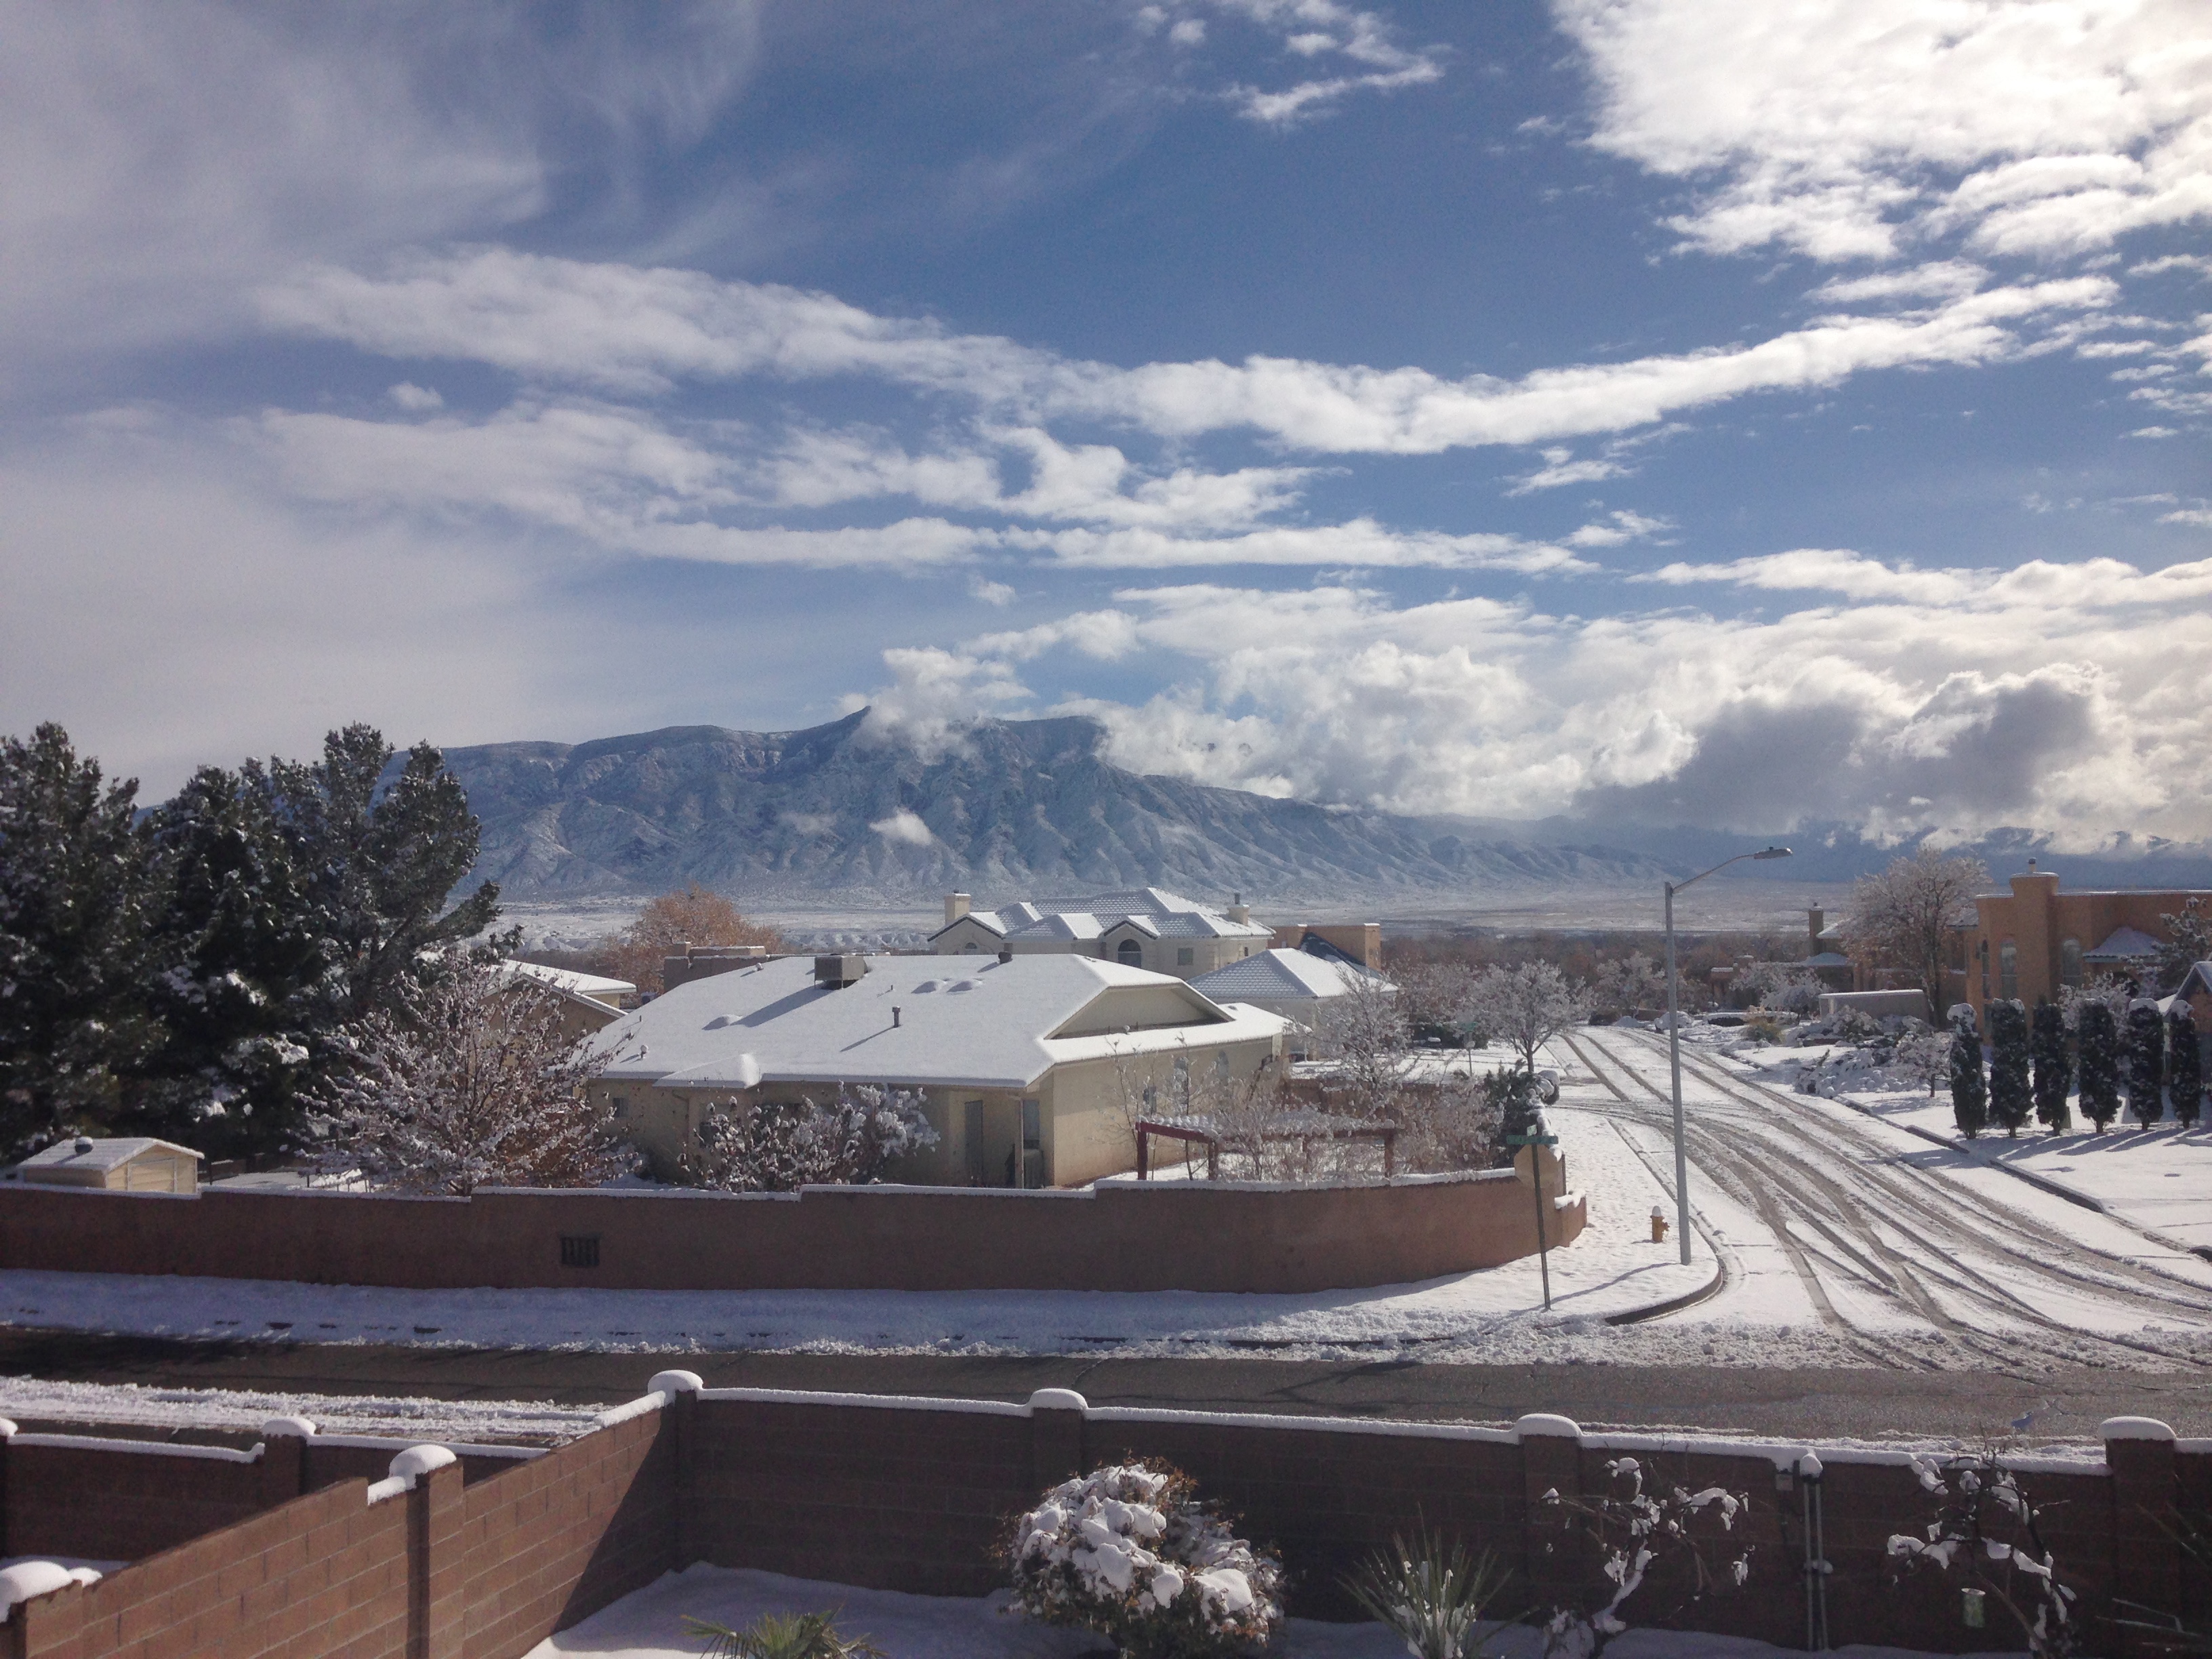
1658	1226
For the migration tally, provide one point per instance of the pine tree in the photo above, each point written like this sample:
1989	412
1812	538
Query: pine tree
2097	1042
2184	1064
1969	1089
2054	1067
2012	1096
72	910
2145	1063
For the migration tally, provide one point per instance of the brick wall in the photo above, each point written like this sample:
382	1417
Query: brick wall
911	1494
1130	1236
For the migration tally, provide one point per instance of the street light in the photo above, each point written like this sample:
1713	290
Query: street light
1675	1043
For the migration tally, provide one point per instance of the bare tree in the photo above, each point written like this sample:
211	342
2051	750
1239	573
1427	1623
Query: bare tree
780	1145
1529	1006
1364	1035
1628	982
469	1081
1909	913
691	915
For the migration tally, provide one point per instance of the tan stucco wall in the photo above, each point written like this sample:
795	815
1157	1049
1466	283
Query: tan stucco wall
2037	919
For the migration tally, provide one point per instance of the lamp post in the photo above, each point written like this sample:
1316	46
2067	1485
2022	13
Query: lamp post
1675	1043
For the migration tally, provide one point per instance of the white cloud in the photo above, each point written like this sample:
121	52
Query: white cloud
980	587
626	329
415	399
1560	469
903	825
1361	543
2154	432
1619	526
1853	128
1942	279
1316	29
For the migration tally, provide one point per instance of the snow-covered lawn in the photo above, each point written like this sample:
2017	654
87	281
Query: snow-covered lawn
1612	1268
2159	1178
648	1624
489	1422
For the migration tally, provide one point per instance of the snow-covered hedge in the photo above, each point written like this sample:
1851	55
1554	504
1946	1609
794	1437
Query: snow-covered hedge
1129	1552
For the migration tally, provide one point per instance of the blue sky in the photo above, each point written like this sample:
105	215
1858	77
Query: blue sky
1738	412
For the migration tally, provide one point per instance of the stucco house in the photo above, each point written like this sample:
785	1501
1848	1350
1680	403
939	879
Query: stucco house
1026	1064
2032	941
1146	927
1299	985
587	1002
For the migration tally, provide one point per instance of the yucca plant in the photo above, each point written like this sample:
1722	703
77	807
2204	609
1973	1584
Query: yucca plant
778	1636
1430	1592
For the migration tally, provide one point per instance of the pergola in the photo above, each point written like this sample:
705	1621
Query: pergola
1304	1127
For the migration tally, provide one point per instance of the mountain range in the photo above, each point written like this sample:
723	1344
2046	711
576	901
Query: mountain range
850	814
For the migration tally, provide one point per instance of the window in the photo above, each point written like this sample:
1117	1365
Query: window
1184	956
2008	970
1131	953
579	1250
621	1105
969	947
2069	961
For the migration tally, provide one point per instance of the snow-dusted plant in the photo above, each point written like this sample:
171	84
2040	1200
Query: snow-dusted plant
1923	1057
1431	1593
1985	1535
2054	1067
468	1080
782	1635
1129	1552
1634	1531
2146	1030
2184	1064
780	1145
2097	1049
2012	1089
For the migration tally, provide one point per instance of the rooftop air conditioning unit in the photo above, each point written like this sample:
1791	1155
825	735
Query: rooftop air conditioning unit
835	973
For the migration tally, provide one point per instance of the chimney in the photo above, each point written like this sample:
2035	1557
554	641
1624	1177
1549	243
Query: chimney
1816	922
1238	910
835	973
956	906
895	1017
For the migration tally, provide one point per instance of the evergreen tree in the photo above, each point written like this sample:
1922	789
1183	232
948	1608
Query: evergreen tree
2145	1063
2011	1095
2097	1041
2054	1067
72	906
1969	1089
2184	1064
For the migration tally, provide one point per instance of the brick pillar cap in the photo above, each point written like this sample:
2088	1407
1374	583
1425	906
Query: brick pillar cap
2133	1428
1545	1423
298	1427
1058	1399
675	1383
420	1461
27	1579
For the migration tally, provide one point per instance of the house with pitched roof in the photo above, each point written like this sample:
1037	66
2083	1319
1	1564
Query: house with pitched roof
1146	927
1028	1066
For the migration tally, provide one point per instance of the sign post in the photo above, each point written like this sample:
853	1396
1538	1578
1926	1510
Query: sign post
1536	1178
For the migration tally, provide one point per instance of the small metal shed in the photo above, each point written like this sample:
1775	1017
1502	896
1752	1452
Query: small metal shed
123	1164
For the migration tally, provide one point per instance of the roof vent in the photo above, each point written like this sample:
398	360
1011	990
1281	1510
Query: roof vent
1006	953
835	973
82	1146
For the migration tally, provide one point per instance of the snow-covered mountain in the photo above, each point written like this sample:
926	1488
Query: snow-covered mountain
1015	807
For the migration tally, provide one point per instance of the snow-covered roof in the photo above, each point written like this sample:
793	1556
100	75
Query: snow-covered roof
1283	976
1826	959
2198	978
2126	944
962	1023
1150	910
594	986
80	1153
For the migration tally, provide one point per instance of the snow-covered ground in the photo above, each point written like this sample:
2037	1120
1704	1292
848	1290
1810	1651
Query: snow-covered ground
1836	1221
648	1624
1612	1268
483	1422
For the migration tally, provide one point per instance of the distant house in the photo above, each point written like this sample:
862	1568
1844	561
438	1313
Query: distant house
1146	927
587	1002
1026	1064
131	1164
2033	940
1299	985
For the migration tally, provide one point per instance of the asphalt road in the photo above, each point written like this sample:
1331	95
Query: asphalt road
2068	1402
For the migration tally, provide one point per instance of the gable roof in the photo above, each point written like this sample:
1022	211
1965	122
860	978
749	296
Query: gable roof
101	1154
594	986
1152	910
962	1023
1281	975
2126	944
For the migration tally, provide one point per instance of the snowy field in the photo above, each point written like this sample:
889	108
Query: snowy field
648	1624
1612	1268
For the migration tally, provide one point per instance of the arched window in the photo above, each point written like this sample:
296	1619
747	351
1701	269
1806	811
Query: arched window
2008	970
969	946
2069	961
1132	953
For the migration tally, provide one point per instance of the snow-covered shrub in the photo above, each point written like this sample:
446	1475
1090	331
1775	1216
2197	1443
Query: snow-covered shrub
1634	1532
2012	1089
469	1080
2097	1049
1923	1057
2054	1067
1129	1552
2146	1030
1985	1535
1452	1126
780	1145
2184	1064
1431	1593
1970	1084
778	1636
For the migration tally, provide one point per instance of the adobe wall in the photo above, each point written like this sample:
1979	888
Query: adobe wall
1121	1236
912	1494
